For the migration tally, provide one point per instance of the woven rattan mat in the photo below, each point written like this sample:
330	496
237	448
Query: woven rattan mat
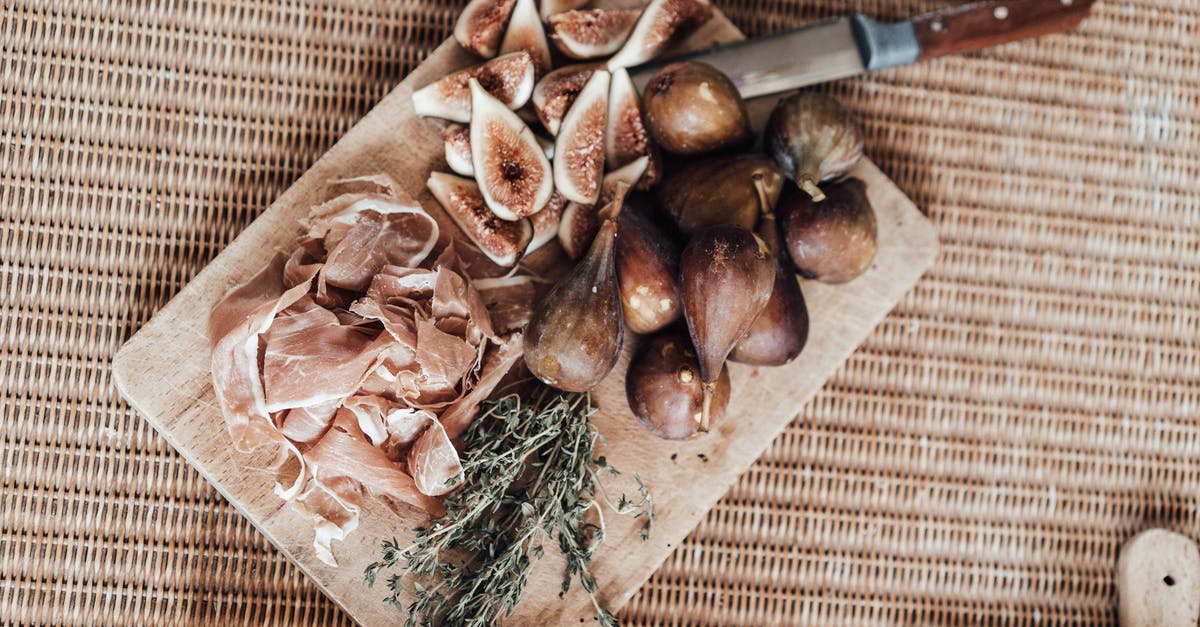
980	459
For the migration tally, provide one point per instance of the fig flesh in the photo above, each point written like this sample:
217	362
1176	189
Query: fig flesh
832	241
554	7
720	190
648	271
664	390
662	23
481	25
813	138
509	78
525	33
545	222
502	241
581	221
592	33
781	330
579	145
510	166
693	109
457	141
726	274
575	334
553	95
626	138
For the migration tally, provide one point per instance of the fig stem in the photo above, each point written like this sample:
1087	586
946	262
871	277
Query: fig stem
708	389
808	185
612	210
760	187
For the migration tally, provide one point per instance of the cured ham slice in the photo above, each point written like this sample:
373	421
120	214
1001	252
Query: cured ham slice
444	358
498	361
234	329
362	358
433	461
345	452
313	364
307	424
402	238
454	297
508	301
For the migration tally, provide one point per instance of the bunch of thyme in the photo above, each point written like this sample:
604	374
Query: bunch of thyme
528	477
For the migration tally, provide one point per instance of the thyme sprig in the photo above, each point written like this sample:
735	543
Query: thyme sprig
528	477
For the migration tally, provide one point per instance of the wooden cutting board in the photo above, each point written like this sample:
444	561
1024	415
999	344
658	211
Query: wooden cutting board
163	372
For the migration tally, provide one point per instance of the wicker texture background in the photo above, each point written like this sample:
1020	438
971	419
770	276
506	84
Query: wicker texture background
1030	405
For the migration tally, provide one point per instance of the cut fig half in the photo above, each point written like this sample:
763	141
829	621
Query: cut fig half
555	93
662	23
457	139
546	221
626	138
513	173
580	221
592	33
554	7
509	78
481	25
503	242
525	32
579	146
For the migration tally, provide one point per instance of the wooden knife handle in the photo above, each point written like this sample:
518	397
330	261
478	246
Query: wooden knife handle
976	25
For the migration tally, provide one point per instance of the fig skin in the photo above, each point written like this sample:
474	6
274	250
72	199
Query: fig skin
575	335
647	270
524	33
779	333
579	145
510	78
501	240
664	390
726	274
554	94
833	241
580	222
482	24
813	138
693	109
662	23
591	33
626	138
719	190
510	166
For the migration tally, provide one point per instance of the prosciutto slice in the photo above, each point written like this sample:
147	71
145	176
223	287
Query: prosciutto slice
402	238
345	452
363	358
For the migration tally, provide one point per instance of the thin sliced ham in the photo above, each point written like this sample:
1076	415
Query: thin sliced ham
234	327
445	359
362	358
508	301
496	363
433	461
309	423
344	451
313	364
455	297
402	238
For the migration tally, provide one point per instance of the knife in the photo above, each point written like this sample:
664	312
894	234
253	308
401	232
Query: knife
856	44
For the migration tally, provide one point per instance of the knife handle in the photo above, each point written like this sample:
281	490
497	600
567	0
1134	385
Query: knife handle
976	25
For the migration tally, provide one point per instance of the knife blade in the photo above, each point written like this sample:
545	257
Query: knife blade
855	44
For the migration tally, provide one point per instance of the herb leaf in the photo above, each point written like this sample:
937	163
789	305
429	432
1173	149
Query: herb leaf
529	477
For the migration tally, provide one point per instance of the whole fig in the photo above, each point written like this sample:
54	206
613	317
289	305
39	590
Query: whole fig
832	241
813	138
